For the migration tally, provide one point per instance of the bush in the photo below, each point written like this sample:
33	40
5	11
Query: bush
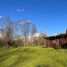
3	43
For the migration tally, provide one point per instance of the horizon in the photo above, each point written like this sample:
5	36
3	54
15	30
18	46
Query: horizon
49	16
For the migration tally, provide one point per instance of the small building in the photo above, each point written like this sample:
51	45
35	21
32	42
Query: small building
57	40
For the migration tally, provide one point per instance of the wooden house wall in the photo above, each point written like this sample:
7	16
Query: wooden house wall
56	41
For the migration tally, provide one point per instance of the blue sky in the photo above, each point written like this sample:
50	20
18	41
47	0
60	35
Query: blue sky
50	16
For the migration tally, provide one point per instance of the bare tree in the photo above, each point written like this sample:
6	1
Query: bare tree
12	30
66	31
7	27
33	29
9	31
25	30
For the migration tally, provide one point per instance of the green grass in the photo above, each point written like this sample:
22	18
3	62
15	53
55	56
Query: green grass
33	57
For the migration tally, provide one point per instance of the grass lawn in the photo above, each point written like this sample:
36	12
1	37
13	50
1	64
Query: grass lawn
33	57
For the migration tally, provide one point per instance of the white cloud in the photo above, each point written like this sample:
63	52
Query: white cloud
20	10
0	16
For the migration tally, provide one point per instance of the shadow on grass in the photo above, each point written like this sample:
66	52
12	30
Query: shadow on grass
28	50
23	57
43	65
20	60
5	56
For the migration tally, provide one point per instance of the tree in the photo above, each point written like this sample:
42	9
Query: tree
25	27
7	26
33	29
9	31
66	31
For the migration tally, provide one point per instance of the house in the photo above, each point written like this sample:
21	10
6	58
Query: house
57	40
